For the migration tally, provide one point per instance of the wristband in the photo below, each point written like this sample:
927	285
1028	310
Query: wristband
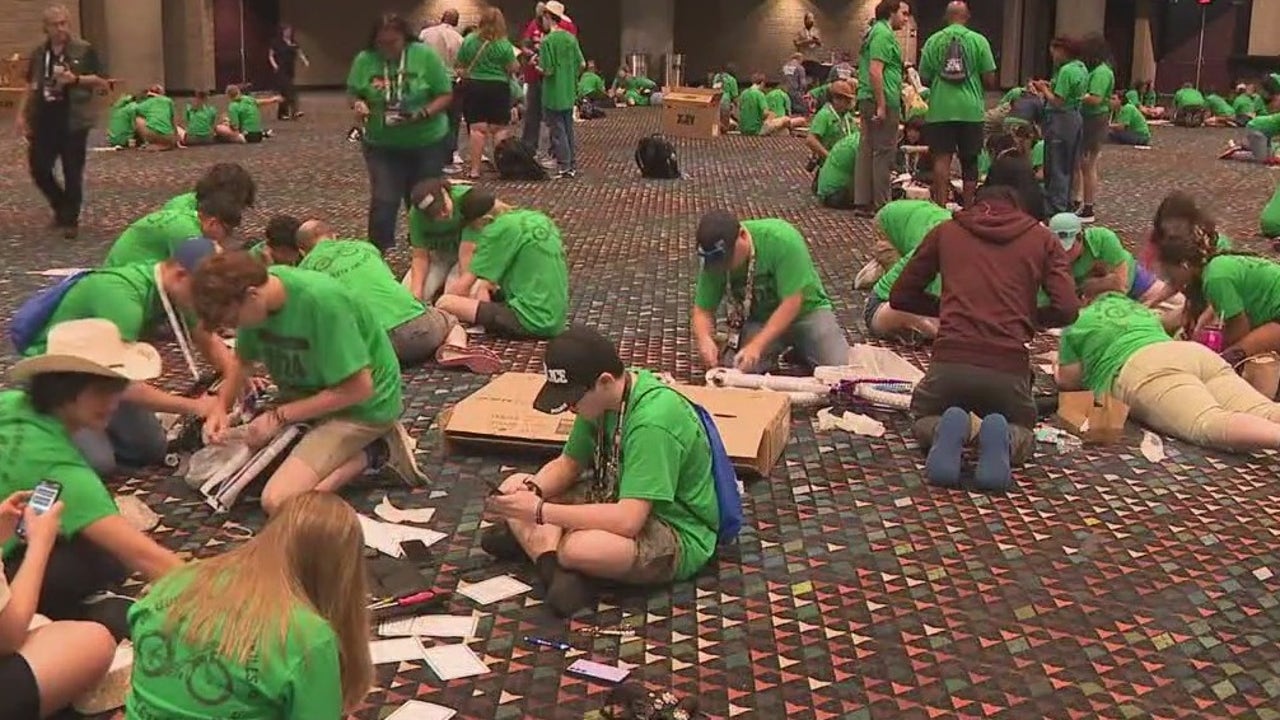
537	512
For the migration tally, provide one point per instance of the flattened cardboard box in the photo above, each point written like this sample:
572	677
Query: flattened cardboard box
754	424
1095	420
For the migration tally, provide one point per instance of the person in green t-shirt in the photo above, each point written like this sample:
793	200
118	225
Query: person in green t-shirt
835	178
485	64
957	100
121	130
440	242
560	57
400	92
331	360
879	104
70	390
1143	96
200	119
902	225
591	86
156	122
518	282
1189	107
224	177
754	116
1180	389
1257	138
1101	264
726	81
1269	223
833	122
1221	112
275	628
1095	111
762	271
1063	124
650	513
630	90
154	237
776	100
243	120
1128	126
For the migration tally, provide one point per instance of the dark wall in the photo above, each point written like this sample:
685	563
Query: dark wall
599	26
1178	44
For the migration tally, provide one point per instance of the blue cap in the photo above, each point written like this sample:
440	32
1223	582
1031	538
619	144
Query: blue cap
193	251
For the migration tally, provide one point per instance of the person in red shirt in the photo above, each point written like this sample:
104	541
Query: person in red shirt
530	40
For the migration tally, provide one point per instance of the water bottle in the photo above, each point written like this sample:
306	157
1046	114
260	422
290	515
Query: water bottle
1211	337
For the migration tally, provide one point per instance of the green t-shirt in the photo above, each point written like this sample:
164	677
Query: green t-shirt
1131	97
299	679
1259	104
1235	284
323	335
830	126
157	111
1133	121
1071	83
590	84
837	170
956	101
521	252
377	81
1270	221
357	264
1102	85
1219	106
1102	251
905	227
125	295
1188	98
185	202
441	235
560	57
244	115
783	268
488	59
200	120
1012	95
881	43
1037	155
819	94
778	102
153	238
728	85
1243	105
751	108
665	459
1268	125
120	128
1108	332
37	447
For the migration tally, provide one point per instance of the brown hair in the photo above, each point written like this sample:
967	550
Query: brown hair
221	282
493	24
310	556
1068	45
887	8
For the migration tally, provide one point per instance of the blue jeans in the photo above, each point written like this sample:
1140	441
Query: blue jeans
1127	137
1063	136
133	438
563	143
817	338
532	115
392	174
1258	144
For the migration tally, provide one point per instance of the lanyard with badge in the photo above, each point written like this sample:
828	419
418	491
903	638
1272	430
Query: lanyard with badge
53	66
739	312
608	460
394	93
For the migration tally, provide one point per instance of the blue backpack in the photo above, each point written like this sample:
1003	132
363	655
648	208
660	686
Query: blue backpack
33	315
728	497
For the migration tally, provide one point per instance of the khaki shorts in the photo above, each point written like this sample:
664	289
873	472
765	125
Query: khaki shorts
329	445
657	547
775	124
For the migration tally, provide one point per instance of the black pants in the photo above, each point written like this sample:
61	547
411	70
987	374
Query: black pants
53	141
289	94
76	570
981	391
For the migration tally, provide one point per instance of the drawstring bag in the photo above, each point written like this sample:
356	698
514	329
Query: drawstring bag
1263	373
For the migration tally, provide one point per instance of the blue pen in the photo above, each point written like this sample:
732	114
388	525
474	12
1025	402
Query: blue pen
553	644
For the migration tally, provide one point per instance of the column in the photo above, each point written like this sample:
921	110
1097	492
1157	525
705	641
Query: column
1078	18
649	28
188	45
1263	38
131	40
1011	44
1144	52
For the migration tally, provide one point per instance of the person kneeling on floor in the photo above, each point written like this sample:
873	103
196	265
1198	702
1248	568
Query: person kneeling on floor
776	299
441	248
754	116
905	224
649	515
243	121
995	257
332	362
834	182
1101	264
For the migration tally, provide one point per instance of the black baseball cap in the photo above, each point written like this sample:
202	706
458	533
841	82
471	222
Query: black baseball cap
717	231
475	204
574	360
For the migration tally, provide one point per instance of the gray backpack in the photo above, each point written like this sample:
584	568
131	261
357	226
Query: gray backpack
955	67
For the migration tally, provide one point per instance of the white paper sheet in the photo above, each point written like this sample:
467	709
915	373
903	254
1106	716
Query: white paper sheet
386	537
418	710
57	272
123	657
394	651
1152	447
393	514
451	662
493	590
459	626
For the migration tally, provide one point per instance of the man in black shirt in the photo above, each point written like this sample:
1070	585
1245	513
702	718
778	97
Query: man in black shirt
56	114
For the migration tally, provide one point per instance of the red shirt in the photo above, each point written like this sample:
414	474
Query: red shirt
532	37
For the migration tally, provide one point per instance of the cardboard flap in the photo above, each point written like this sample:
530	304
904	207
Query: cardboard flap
1075	407
736	413
692	97
504	407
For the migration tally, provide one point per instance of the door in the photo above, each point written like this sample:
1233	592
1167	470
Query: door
242	32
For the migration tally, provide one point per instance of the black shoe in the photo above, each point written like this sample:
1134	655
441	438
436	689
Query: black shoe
569	592
1085	213
499	542
567	174
70	232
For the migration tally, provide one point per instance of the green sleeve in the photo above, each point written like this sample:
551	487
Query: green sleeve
1062	83
1221	293
494	254
1132	98
1067	352
315	688
929	62
882	48
547	59
344	352
129	317
85	500
821	124
709	291
467	51
417	228
652	465
434	76
357	77
795	266
986	59
1037	154
1100	84
581	445
1108	248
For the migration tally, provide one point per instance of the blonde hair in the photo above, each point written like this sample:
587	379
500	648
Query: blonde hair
493	24
310	554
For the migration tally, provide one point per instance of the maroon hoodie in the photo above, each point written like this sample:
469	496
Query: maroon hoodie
993	259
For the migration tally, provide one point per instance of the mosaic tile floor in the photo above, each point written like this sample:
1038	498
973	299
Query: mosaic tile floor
1106	586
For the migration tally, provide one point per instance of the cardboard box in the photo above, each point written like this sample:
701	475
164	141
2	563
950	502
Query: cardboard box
691	113
755	424
13	71
1094	420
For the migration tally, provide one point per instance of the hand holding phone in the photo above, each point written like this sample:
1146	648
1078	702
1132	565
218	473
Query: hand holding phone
40	517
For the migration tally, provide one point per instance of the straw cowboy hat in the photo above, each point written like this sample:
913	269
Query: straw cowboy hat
93	347
557	8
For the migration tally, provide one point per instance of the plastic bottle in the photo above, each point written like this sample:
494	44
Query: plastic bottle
1211	336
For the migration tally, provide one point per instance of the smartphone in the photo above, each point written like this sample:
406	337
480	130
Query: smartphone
42	498
598	671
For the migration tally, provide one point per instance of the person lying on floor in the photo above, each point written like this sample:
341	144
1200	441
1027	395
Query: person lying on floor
763	271
631	90
43	667
156	122
754	116
69	391
1100	263
517	284
157	236
1143	96
280	621
1181	389
1128	126
129	298
417	333
1258	135
1189	107
199	119
904	227
332	362
833	122
122	131
224	177
441	248
834	181
647	516
995	257
243	121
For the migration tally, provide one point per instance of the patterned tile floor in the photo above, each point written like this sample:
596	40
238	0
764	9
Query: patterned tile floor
1106	586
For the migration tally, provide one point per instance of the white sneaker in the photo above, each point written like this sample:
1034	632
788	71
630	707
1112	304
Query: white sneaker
457	159
868	276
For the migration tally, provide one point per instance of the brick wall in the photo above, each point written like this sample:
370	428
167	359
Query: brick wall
21	24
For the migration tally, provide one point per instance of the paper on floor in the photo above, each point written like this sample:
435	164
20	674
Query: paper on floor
850	422
386	537
404	649
1152	447
58	272
393	514
418	710
451	662
123	657
493	590
461	626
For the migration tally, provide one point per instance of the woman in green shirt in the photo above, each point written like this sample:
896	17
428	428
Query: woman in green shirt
1063	124
275	629
400	91
486	61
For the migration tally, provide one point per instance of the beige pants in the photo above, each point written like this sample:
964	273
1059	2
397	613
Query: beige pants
774	125
329	445
1185	390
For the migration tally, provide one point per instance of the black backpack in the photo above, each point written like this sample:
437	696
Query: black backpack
656	158
588	110
955	66
515	161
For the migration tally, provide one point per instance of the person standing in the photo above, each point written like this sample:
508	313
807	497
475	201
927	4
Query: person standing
1095	109
560	57
807	43
485	62
530	41
56	113
1063	131
445	39
879	104
284	55
957	65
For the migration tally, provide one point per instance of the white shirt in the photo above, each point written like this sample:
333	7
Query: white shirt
445	40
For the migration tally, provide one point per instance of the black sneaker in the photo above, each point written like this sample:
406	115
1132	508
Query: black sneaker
569	592
1085	213
501	543
567	174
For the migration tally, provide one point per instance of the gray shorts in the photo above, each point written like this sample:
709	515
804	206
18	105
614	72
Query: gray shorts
416	341
1096	128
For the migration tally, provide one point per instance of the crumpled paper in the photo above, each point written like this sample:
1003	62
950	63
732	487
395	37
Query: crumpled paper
850	422
393	514
1152	447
